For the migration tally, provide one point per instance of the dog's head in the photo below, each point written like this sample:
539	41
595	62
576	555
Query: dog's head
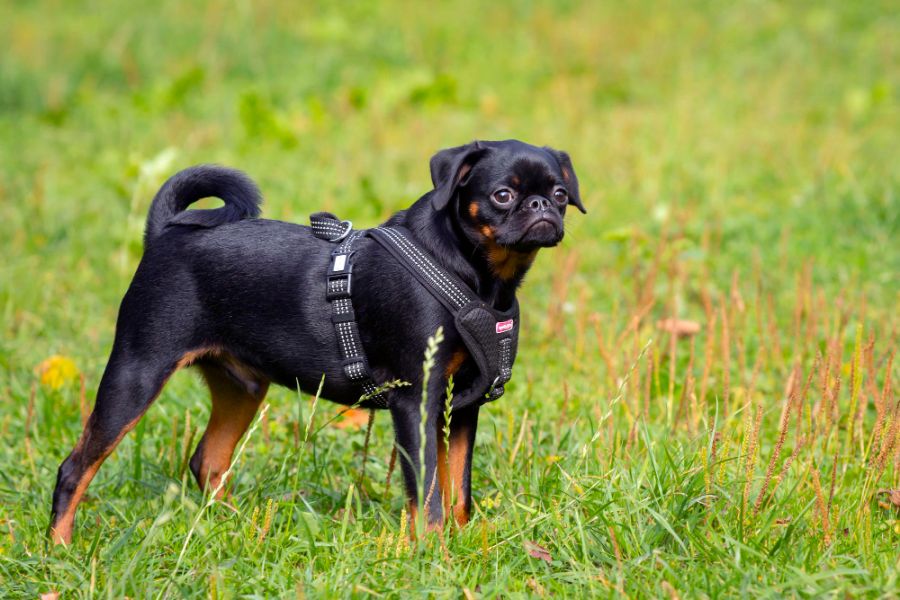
506	195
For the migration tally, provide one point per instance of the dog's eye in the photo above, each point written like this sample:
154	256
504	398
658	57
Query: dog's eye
503	196
561	195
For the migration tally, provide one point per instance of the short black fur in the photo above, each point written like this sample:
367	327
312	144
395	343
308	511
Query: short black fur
243	299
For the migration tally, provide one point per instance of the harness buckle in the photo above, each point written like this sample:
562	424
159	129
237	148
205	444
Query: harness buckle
338	287
339	276
340	263
355	369
490	395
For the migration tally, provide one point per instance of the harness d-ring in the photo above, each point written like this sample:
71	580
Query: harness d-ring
348	227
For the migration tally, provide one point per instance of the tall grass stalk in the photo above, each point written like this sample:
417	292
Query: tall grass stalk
431	350
212	499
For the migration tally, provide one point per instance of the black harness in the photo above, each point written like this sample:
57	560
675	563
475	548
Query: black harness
491	336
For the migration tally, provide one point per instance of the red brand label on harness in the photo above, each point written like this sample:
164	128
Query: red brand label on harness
504	326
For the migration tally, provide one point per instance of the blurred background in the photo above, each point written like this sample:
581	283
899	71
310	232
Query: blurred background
738	161
751	120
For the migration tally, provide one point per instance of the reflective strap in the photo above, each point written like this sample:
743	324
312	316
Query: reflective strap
356	370
458	298
346	243
498	388
505	360
445	286
327	227
338	290
452	290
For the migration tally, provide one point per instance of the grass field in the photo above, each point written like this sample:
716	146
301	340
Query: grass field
739	165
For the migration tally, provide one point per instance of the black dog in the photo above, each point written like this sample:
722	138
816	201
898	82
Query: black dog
243	299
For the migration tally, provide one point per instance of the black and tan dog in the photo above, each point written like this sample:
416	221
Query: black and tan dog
242	299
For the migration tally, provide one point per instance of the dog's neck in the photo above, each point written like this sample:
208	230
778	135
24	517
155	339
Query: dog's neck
493	272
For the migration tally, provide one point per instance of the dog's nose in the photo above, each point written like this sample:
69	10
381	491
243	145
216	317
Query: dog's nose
537	204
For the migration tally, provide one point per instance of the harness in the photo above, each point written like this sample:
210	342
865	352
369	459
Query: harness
491	336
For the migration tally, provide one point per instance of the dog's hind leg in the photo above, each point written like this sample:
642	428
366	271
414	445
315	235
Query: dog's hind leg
236	393
129	386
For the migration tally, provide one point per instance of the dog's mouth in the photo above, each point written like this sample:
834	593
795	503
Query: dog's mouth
542	232
546	225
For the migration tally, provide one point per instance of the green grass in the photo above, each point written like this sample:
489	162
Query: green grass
738	161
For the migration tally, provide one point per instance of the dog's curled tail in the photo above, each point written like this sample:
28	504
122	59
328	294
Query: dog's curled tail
240	194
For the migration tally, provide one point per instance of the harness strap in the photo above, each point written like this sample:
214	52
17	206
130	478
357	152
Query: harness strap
326	226
491	341
446	287
490	335
338	288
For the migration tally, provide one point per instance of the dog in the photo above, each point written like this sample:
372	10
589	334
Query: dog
241	298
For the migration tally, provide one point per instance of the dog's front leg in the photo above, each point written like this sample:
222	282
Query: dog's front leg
455	463
420	478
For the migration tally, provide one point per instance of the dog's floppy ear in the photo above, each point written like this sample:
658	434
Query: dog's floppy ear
568	173
450	169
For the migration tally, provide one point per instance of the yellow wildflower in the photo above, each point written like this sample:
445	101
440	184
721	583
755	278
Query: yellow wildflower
57	371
